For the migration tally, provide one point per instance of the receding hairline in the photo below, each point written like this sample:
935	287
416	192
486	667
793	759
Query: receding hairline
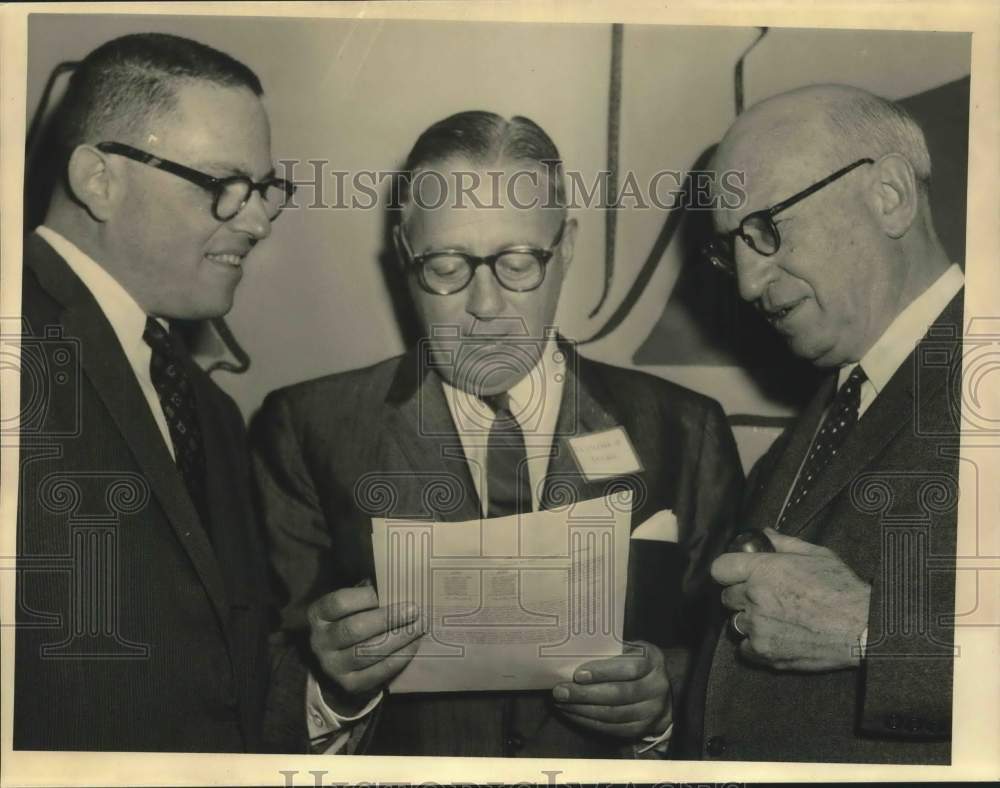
836	123
448	166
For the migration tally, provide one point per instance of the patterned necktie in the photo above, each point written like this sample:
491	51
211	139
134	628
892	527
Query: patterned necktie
507	481
840	417
173	387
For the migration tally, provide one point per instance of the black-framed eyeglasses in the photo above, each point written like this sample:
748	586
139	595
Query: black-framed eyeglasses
520	269
229	194
758	230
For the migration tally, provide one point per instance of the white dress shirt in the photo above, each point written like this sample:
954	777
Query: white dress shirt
896	343
901	337
127	318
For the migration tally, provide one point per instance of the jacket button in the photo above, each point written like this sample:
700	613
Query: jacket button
514	742
914	724
716	745
892	722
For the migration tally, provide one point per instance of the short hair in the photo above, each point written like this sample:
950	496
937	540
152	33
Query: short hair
123	84
486	138
867	125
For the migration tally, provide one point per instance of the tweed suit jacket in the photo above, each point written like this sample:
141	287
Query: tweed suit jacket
887	506
139	628
320	445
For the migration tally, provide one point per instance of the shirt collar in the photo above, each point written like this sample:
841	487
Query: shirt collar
127	318
901	337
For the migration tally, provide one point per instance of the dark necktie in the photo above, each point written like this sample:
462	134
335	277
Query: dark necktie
840	417
507	481
173	387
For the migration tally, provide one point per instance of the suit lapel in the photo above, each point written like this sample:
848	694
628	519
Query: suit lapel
105	365
224	480
892	409
768	497
420	423
586	407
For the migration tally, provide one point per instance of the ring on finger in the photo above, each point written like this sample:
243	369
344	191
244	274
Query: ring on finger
735	623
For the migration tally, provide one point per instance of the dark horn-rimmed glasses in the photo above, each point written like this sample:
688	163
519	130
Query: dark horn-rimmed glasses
758	230
229	194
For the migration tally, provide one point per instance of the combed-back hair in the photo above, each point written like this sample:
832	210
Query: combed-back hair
868	125
485	138
123	84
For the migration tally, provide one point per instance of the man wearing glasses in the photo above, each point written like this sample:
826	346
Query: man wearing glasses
487	406
838	646
141	620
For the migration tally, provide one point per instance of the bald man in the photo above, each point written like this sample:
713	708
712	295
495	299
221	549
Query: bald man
837	647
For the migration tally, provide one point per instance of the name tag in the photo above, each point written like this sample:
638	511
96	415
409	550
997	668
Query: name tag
603	455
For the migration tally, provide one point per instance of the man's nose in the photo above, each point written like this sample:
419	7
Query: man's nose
485	300
754	272
252	218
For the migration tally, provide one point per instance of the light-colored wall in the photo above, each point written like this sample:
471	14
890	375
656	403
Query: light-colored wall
357	93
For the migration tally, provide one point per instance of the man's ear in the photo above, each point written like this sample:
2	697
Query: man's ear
567	244
92	183
894	195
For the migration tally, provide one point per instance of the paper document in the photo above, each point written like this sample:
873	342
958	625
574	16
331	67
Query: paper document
513	603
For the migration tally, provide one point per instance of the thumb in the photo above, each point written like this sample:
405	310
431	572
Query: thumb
790	544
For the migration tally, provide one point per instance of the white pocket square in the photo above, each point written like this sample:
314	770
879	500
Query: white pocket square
661	527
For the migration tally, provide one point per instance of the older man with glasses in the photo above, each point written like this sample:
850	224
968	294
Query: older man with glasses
488	404
838	646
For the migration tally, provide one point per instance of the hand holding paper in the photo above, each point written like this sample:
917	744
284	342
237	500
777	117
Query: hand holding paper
626	696
512	603
359	645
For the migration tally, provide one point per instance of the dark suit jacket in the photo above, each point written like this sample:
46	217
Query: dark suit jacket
332	453
887	505
137	630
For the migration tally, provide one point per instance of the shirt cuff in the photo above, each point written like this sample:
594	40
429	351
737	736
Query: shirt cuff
322	721
658	743
863	642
